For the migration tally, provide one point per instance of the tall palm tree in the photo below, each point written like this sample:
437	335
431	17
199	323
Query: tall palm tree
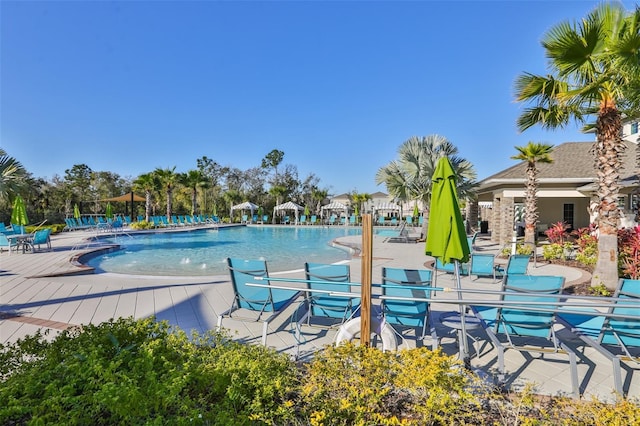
168	178
594	67
532	153
318	195
193	179
409	177
148	183
13	176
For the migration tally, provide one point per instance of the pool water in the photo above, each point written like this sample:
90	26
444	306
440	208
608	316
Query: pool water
204	252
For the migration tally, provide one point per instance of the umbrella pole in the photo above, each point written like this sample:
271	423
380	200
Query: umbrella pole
464	343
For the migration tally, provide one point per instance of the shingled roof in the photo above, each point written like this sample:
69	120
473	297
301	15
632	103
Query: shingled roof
572	161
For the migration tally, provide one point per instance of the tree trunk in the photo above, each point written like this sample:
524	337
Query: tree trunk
608	150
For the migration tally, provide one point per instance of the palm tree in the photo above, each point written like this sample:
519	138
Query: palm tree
409	177
193	180
148	183
13	176
318	195
168	179
532	153
594	67
359	199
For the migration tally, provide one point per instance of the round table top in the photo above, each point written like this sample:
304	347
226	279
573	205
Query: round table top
453	320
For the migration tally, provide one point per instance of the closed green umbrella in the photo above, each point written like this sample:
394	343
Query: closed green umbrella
108	213
416	212
446	236
19	213
76	211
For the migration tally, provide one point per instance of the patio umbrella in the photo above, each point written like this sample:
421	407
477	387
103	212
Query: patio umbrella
19	213
416	212
108	213
76	211
446	236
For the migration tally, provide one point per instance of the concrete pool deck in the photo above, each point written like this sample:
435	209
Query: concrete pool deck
46	291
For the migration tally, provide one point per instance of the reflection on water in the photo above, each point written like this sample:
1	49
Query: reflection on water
203	252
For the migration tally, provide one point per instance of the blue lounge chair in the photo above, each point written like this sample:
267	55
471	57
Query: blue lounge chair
352	220
260	300
18	229
518	264
332	219
245	219
286	220
6	243
3	229
313	220
303	220
483	265
40	237
381	220
325	278
516	325
409	220
394	221
615	337
409	283
472	241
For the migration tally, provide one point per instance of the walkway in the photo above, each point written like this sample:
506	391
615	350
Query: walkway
47	291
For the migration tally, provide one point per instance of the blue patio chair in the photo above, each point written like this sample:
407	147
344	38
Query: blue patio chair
472	241
6	243
332	219
265	218
303	219
313	220
245	219
18	229
615	337
286	220
449	268
326	278
394	221
483	265
352	220
40	237
527	328
259	300
3	229
409	220
380	220
409	283
420	220
254	218
518	264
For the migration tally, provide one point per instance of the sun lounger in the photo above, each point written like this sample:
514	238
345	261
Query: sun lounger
615	335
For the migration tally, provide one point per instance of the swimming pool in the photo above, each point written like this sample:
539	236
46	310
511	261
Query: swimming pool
203	252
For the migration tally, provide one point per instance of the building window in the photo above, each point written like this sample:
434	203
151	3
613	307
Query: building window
634	128
567	215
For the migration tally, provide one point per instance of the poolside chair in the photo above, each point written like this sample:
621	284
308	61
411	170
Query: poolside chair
245	219
261	300
526	328
325	278
302	220
394	221
286	220
409	283
18	229
313	220
3	229
615	337
381	220
6	243
352	220
40	237
332	219
420	220
409	220
472	241
265	218
516	265
483	265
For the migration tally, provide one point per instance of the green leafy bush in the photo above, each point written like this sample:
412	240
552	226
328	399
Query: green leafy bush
352	384
141	372
143	224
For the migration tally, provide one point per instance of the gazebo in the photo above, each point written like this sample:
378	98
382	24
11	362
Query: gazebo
129	197
289	205
245	206
336	206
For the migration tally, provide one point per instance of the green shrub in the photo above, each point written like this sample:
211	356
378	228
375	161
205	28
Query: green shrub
352	384
143	224
141	372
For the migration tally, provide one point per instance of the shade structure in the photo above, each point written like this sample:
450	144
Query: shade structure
245	206
446	236
19	212
128	197
288	206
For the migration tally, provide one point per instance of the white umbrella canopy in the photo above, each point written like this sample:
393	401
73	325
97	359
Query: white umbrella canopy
245	206
388	207
289	205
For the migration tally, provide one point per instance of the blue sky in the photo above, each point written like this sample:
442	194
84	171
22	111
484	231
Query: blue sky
337	86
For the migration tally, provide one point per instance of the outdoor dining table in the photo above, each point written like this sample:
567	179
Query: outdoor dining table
22	240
